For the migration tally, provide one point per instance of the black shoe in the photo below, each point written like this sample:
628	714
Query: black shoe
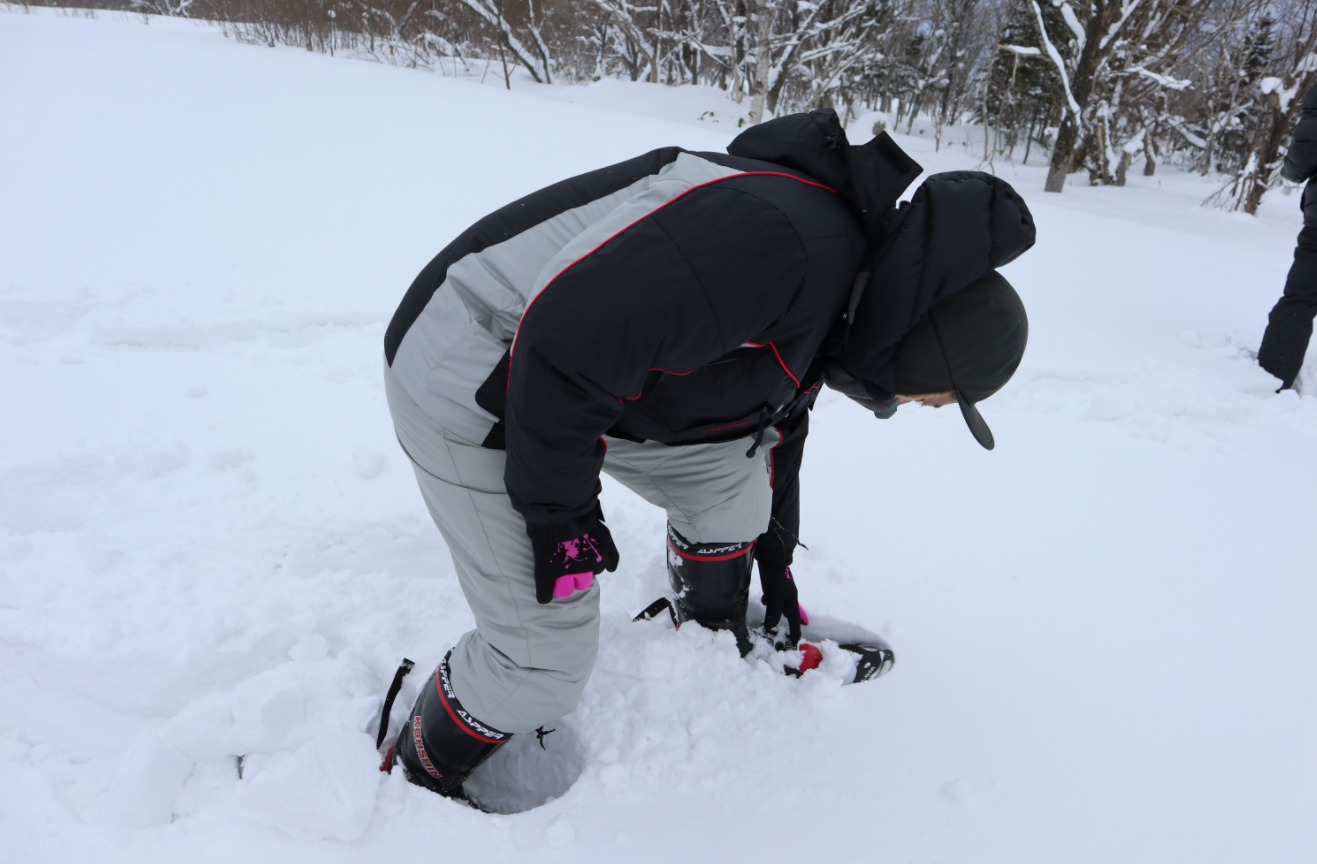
440	744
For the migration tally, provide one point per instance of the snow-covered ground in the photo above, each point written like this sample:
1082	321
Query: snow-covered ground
212	554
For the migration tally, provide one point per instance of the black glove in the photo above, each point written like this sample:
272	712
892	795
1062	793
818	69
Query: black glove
569	555
780	595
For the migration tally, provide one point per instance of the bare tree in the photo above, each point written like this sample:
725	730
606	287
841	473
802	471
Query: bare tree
178	8
813	44
1214	120
1099	49
535	57
961	40
1280	97
1020	99
733	21
638	45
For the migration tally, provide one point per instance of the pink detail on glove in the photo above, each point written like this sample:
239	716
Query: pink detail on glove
566	586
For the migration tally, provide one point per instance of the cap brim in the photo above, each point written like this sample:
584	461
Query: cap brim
978	427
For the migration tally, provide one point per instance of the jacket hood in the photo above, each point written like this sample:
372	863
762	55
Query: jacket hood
870	176
958	227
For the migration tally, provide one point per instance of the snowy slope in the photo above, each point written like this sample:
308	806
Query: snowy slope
212	554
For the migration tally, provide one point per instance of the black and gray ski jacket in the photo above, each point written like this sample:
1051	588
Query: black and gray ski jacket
683	297
1301	157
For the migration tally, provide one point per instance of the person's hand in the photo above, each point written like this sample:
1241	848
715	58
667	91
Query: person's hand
568	556
780	595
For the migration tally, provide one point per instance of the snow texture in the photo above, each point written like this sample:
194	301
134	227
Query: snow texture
213	555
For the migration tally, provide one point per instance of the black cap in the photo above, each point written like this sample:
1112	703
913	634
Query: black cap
970	343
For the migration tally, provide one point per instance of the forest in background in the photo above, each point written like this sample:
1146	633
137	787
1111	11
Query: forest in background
1093	86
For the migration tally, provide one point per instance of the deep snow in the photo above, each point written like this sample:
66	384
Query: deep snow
212	554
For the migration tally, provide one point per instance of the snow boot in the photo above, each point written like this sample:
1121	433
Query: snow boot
711	584
441	744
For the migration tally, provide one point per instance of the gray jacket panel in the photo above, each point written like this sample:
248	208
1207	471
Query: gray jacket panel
471	321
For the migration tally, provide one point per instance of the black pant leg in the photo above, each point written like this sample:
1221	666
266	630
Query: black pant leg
1289	326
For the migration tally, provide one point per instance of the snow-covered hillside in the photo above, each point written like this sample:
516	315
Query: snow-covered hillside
213	555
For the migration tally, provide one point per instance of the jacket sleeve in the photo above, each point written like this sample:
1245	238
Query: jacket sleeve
665	283
1301	157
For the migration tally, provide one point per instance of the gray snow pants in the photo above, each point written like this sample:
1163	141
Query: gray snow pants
526	664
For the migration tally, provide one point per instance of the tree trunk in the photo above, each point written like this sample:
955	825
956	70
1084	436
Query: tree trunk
1122	169
1081	88
1267	155
763	61
655	62
1062	155
737	49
